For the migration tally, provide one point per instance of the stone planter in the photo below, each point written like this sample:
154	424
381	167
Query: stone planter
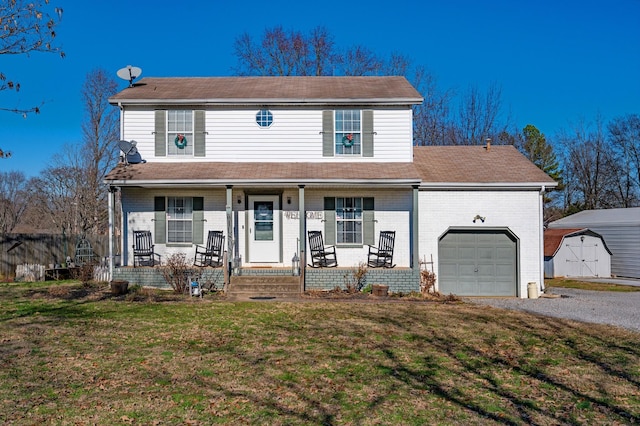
380	290
119	287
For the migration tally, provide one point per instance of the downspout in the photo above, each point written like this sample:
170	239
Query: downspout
541	238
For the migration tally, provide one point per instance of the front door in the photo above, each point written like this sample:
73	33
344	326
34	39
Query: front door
264	228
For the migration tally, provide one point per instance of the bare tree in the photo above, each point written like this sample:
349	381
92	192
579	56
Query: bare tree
478	115
26	26
589	176
431	119
14	199
55	199
71	192
359	61
282	53
99	152
625	137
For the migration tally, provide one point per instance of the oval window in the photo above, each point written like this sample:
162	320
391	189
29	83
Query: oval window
264	118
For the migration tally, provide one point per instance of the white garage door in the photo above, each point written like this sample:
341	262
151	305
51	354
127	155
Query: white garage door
478	263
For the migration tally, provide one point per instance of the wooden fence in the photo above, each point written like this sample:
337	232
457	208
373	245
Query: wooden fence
44	249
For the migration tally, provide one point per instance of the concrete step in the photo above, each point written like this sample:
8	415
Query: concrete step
264	287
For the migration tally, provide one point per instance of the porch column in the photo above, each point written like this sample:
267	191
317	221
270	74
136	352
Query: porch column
302	244
415	241
111	206
303	222
230	242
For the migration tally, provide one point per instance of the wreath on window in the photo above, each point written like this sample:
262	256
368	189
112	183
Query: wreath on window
347	140
180	141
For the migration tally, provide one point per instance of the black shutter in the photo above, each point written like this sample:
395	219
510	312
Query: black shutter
329	220
160	221
161	133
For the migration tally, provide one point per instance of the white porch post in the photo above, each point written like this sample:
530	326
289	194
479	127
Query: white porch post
415	237
230	242
303	224
111	206
302	244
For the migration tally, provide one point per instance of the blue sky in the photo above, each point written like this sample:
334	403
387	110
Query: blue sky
558	62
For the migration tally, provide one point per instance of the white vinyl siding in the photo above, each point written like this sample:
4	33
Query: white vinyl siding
295	135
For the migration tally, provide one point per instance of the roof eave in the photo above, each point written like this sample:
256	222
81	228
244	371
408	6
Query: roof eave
268	101
488	185
155	183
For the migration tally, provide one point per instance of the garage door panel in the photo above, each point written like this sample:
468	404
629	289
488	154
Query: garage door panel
466	253
486	253
478	263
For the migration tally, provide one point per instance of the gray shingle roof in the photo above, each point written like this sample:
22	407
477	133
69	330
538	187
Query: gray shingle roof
501	164
466	165
270	90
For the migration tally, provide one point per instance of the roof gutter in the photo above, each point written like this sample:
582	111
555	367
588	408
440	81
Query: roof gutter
185	183
268	101
445	186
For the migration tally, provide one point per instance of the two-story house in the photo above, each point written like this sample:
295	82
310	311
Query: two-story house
265	160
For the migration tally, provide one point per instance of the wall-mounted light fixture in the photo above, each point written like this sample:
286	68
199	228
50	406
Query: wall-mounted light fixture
288	200
239	199
478	217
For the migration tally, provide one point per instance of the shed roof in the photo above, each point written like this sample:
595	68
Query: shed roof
270	90
553	238
608	217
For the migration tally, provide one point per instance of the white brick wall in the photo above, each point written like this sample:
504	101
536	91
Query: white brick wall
519	211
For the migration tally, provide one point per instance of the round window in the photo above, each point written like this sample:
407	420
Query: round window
264	118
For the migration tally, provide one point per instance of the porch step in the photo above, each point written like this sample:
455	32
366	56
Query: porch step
264	287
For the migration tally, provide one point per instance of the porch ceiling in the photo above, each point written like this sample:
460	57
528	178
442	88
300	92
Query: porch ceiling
264	174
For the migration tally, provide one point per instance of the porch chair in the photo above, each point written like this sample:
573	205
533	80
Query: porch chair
382	256
143	248
321	256
212	254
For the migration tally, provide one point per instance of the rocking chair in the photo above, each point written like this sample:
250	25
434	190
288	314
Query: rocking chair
382	256
211	255
321	256
143	248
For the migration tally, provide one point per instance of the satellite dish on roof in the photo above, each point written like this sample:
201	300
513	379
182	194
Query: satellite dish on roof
129	73
131	154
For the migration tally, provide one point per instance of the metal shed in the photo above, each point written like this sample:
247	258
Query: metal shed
620	228
575	252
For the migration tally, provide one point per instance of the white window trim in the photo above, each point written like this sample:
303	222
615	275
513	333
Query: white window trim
335	132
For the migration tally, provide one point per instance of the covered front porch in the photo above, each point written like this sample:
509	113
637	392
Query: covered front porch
266	223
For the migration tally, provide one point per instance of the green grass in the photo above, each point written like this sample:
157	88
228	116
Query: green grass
587	285
72	355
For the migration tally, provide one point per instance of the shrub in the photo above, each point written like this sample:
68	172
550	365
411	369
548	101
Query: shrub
176	271
84	272
427	282
354	279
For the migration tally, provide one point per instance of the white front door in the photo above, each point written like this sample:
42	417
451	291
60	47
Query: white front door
264	228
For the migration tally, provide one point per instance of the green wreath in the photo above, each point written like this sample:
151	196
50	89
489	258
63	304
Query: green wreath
348	140
180	141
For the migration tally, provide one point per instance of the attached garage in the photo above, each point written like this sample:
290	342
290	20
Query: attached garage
478	263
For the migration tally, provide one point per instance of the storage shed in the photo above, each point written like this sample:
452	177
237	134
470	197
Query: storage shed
575	252
620	228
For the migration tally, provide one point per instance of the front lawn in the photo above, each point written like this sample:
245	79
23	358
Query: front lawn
588	285
77	355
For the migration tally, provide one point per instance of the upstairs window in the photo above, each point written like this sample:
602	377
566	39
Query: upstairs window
348	132
180	133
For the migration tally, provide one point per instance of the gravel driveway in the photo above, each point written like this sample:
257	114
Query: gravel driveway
604	307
